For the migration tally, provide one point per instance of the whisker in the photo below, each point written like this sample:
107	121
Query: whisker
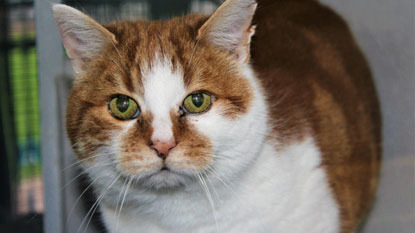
120	196
95	205
222	158
115	47
79	198
209	197
193	52
245	202
84	172
212	172
122	203
82	160
213	187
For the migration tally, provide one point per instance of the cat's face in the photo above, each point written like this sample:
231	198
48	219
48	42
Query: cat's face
160	105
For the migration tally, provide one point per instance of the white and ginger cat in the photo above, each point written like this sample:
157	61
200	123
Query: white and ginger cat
196	125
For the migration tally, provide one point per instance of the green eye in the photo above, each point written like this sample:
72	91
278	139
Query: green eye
123	107
197	102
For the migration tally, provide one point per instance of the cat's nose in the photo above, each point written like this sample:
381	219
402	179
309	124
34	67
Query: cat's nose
163	147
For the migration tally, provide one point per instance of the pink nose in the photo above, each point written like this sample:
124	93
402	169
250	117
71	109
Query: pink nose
163	147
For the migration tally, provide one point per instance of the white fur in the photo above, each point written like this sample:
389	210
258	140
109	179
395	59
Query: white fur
285	192
254	188
164	91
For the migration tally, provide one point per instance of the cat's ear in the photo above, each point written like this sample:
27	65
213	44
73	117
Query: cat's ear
83	38
229	27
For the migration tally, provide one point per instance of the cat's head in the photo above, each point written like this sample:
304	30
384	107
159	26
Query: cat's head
161	102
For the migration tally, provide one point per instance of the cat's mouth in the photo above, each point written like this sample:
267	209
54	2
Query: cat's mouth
165	177
164	168
160	175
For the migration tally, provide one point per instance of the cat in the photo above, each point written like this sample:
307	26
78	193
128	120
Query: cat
252	119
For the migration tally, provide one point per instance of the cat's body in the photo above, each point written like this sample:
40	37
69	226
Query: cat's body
330	85
289	143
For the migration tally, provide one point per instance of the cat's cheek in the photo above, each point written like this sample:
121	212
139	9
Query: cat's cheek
193	152
216	126
138	163
91	130
183	161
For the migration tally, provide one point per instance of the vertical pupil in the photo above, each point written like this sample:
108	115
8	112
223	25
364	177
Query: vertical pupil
123	103
197	99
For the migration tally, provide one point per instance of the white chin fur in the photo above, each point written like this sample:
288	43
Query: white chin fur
164	180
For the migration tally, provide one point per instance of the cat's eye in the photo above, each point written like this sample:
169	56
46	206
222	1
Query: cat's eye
123	107
197	102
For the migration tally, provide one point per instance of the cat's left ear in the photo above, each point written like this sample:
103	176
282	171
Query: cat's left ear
229	28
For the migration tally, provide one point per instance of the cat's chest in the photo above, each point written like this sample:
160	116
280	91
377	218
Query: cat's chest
283	191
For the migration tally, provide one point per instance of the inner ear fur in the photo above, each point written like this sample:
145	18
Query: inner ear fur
83	37
229	28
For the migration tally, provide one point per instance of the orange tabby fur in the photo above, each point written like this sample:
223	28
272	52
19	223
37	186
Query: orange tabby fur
312	72
315	73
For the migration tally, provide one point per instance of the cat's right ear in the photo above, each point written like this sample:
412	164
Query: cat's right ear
83	38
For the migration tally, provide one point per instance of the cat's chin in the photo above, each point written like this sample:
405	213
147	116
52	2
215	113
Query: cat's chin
165	179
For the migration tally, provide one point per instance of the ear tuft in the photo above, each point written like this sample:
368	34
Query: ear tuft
229	27
82	36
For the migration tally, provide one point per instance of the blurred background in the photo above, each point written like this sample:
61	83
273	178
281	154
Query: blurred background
39	186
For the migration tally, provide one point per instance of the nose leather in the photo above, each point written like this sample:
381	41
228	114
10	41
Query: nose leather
163	147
